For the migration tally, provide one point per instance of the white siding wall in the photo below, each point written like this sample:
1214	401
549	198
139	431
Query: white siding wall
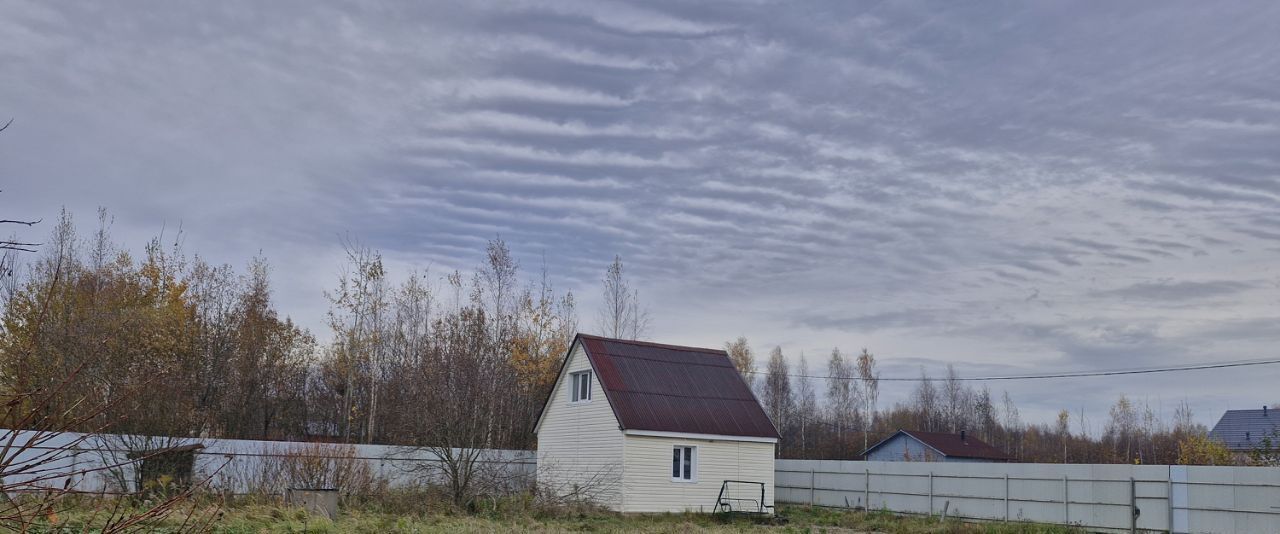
647	478
579	445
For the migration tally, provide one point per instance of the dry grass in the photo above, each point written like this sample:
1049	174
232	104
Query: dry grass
258	518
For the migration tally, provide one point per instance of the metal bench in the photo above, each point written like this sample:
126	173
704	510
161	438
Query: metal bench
728	502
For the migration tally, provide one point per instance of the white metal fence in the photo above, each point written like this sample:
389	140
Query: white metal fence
240	466
1116	498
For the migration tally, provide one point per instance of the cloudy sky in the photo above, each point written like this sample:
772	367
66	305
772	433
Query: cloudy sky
1005	187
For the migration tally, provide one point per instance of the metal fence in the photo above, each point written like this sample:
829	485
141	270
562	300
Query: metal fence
236	466
1110	498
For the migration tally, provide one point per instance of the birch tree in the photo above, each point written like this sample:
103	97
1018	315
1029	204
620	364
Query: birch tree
1122	426
959	401
779	400
926	402
806	416
870	378
1064	431
843	396
621	315
358	308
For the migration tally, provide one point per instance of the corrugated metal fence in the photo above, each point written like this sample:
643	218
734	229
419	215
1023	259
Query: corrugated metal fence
1118	498
242	466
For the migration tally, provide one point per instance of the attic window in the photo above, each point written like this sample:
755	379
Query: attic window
684	464
581	387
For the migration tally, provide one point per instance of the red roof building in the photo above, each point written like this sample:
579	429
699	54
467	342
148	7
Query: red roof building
916	446
669	388
646	427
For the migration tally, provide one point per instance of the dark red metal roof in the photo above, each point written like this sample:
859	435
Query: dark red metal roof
954	446
669	388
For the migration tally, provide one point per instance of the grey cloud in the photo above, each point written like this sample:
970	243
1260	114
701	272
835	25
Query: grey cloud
894	173
908	319
1168	290
1210	194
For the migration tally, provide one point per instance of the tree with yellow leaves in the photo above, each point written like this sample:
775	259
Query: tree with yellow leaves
1200	449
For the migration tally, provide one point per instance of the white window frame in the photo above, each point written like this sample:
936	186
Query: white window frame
575	387
693	463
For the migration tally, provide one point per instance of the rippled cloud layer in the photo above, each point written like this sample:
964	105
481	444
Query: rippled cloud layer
1006	187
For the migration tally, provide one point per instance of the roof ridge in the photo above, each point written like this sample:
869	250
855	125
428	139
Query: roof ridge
973	446
709	397
631	357
652	344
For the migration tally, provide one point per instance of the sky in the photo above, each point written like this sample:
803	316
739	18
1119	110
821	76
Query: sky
1005	187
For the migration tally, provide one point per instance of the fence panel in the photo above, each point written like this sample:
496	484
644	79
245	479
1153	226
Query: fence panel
240	466
1113	498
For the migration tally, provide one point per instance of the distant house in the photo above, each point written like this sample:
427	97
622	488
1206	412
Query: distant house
1243	431
915	446
644	427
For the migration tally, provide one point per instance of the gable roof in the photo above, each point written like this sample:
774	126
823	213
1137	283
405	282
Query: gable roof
669	388
1244	430
950	445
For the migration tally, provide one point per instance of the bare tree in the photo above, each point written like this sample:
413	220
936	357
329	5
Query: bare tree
622	315
499	277
925	402
778	399
985	414
959	401
1012	425
844	397
457	382
806	416
1184	421
15	245
357	317
12	244
561	485
870	392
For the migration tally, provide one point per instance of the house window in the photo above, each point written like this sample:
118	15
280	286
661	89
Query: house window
684	464
581	387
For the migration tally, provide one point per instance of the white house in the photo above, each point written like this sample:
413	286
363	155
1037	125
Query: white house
644	427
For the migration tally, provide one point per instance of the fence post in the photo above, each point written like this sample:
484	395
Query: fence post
1133	506
811	487
866	506
931	493
1006	497
1066	506
1169	477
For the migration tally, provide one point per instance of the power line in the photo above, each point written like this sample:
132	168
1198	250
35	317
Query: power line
1076	374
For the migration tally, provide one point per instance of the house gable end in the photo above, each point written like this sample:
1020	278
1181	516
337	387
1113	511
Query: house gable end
561	377
903	434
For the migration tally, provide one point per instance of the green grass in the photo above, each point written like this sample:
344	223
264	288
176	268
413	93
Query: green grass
813	519
268	518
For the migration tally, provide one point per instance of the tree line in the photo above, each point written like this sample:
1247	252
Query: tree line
170	344
202	350
846	419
